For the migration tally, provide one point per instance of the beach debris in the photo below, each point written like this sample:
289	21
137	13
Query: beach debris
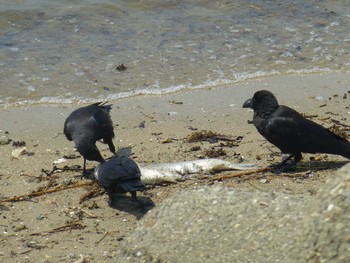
171	113
18	143
195	148
34	244
82	259
238	174
167	140
5	141
68	227
214	152
210	136
18	152
142	125
175	102
309	116
41	192
338	131
93	191
61	160
192	128
55	169
76	213
172	172
121	67
151	117
71	156
317	158
264	180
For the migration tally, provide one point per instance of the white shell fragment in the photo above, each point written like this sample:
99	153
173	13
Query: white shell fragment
171	172
61	160
18	152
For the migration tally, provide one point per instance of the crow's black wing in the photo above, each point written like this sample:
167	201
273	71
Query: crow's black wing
102	123
292	133
122	172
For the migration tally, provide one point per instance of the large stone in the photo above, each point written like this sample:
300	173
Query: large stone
325	235
216	225
225	225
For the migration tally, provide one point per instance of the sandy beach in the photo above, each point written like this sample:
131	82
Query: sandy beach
61	227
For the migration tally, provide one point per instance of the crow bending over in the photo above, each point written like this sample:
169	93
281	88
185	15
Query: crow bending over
87	125
119	175
291	132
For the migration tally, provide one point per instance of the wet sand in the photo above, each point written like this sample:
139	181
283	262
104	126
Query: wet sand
57	227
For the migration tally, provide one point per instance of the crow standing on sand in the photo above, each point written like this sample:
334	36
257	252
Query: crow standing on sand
291	132
87	125
119	175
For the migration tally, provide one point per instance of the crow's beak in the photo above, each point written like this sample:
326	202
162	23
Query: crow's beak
248	104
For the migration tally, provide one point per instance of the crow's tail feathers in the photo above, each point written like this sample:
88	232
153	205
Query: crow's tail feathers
104	105
344	148
132	185
346	154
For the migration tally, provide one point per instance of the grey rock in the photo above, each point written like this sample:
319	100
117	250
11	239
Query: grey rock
325	233
216	225
225	225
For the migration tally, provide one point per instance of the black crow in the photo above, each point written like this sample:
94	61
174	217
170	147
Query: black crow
291	132
87	125
119	175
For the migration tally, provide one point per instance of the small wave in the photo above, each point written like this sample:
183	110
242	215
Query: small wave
237	78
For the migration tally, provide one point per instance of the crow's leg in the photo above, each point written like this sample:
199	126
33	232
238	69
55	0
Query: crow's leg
84	170
288	166
133	196
283	163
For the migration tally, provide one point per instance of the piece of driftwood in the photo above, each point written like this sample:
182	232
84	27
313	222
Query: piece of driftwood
93	192
226	176
67	227
39	193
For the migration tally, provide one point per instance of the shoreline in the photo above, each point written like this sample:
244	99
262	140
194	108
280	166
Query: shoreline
215	84
166	121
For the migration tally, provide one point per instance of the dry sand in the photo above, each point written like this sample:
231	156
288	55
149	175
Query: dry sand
58	227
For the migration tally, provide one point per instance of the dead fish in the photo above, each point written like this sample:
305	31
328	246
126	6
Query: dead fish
171	172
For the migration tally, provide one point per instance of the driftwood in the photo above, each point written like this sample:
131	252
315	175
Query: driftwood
67	227
93	192
56	169
226	176
39	193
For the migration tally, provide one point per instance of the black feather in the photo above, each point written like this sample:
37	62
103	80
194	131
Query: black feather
87	125
119	175
290	131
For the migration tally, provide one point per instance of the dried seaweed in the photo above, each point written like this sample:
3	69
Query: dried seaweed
214	152
121	67
18	143
337	130
204	135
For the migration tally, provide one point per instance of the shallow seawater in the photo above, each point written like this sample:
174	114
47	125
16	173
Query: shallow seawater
63	51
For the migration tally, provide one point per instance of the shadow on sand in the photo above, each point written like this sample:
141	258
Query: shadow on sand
123	202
